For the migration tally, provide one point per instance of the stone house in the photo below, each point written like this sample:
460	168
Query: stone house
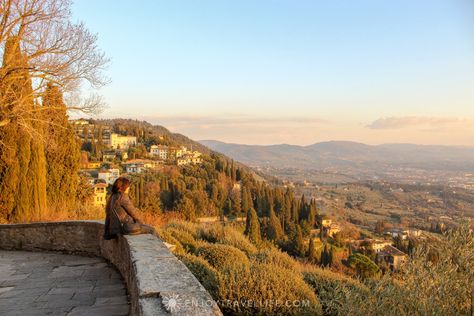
391	256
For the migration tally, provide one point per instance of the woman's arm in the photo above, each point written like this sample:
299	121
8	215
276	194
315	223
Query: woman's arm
127	205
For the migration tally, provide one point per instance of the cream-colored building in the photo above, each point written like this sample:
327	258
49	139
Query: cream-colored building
122	142
139	165
189	158
177	152
100	194
93	164
333	229
109	175
379	245
180	152
326	222
183	161
161	151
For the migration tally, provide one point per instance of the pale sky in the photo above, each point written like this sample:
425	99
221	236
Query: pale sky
298	72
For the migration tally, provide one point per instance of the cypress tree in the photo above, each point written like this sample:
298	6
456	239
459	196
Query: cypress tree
236	204
9	136
294	212
326	256
331	256
252	227
214	196
141	191
274	230
311	251
62	152
298	244
228	207
37	176
233	174
245	200
312	215
22	163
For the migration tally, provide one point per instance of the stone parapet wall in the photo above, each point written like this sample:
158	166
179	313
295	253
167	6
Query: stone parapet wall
153	275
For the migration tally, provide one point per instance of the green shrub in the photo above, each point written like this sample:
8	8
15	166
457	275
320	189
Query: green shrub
211	232
331	287
222	256
189	227
167	237
276	257
235	238
215	233
203	271
265	289
185	238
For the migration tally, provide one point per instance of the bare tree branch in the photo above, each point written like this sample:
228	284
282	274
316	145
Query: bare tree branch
56	50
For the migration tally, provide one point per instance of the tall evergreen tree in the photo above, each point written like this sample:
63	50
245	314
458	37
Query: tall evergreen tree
297	243
311	251
22	162
245	200
326	256
237	204
62	152
274	230
313	213
252	227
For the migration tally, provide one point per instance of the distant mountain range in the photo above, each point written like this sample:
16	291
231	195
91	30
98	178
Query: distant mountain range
352	155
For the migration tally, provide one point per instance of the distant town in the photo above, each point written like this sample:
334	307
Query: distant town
117	157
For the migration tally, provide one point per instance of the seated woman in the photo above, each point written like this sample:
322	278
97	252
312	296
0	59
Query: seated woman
121	216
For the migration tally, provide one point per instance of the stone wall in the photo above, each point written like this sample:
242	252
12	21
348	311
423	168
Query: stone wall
153	275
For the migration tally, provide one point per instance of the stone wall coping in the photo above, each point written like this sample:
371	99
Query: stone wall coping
158	283
62	223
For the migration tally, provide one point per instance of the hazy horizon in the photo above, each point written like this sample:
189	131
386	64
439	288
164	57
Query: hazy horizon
273	72
329	141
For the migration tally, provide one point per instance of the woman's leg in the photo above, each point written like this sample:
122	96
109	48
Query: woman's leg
147	229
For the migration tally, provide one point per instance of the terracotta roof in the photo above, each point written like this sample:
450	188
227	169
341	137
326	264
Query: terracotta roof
391	250
135	161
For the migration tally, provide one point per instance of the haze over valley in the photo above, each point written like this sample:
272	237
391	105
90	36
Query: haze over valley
343	161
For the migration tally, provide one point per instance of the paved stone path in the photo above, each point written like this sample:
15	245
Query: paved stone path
38	283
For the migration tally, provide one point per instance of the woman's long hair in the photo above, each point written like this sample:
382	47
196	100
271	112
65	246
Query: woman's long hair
119	186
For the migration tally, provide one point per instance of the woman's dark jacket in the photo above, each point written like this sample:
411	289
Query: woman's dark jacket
124	212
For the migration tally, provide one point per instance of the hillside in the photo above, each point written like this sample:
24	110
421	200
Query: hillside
350	155
150	132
